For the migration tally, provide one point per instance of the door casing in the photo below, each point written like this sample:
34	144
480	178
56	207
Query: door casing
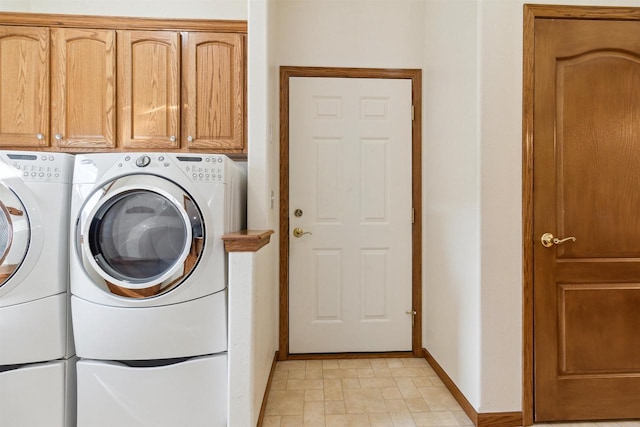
415	75
531	13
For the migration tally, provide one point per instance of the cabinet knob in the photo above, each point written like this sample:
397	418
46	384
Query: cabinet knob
40	137
58	137
189	138
172	138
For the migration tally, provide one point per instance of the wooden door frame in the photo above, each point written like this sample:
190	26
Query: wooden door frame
531	13
415	75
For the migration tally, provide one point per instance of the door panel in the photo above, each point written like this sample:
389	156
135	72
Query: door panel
213	91
24	86
83	88
350	276
587	162
597	152
589	313
149	89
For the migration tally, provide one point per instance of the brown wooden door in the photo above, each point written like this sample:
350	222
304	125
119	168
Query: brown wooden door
149	89
24	86
213	91
83	88
586	185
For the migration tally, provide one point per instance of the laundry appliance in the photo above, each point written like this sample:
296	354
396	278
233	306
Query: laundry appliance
37	367
148	283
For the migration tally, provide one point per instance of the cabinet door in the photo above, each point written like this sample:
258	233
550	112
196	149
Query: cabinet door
213	91
24	86
83	84
148	89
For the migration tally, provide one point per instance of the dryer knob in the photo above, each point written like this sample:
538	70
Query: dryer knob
143	161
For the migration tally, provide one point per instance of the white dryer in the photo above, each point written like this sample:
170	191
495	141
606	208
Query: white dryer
148	283
36	344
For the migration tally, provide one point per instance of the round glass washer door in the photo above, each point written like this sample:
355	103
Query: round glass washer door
142	239
15	233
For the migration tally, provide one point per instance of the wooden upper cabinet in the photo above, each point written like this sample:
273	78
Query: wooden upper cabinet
213	91
149	89
86	83
83	88
24	86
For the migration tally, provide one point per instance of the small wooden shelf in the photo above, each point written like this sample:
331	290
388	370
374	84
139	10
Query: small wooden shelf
246	240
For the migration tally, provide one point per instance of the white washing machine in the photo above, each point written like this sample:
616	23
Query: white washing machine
37	367
148	283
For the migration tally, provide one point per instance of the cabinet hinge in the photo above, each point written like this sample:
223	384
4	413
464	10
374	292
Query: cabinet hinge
413	113
413	215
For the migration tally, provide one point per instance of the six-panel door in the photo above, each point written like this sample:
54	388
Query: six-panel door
350	259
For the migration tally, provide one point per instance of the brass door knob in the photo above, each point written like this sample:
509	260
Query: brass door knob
299	232
549	240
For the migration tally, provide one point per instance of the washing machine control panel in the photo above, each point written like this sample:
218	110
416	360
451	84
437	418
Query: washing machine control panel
198	167
39	167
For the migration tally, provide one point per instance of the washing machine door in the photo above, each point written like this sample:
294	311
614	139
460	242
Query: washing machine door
15	233
142	234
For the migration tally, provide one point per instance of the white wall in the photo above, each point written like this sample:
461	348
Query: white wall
263	177
252	333
203	9
351	33
500	73
451	163
14	5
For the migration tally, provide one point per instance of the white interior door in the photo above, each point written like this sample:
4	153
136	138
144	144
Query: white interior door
350	189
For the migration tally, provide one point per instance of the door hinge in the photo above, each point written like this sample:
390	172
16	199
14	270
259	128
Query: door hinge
413	316
413	113
413	215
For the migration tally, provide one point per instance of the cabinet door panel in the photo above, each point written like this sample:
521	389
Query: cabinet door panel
213	91
149	89
24	86
83	98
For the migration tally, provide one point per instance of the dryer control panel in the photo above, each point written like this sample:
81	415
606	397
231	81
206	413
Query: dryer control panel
202	168
40	167
207	168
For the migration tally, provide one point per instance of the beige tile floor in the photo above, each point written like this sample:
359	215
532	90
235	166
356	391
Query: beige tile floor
360	392
368	392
